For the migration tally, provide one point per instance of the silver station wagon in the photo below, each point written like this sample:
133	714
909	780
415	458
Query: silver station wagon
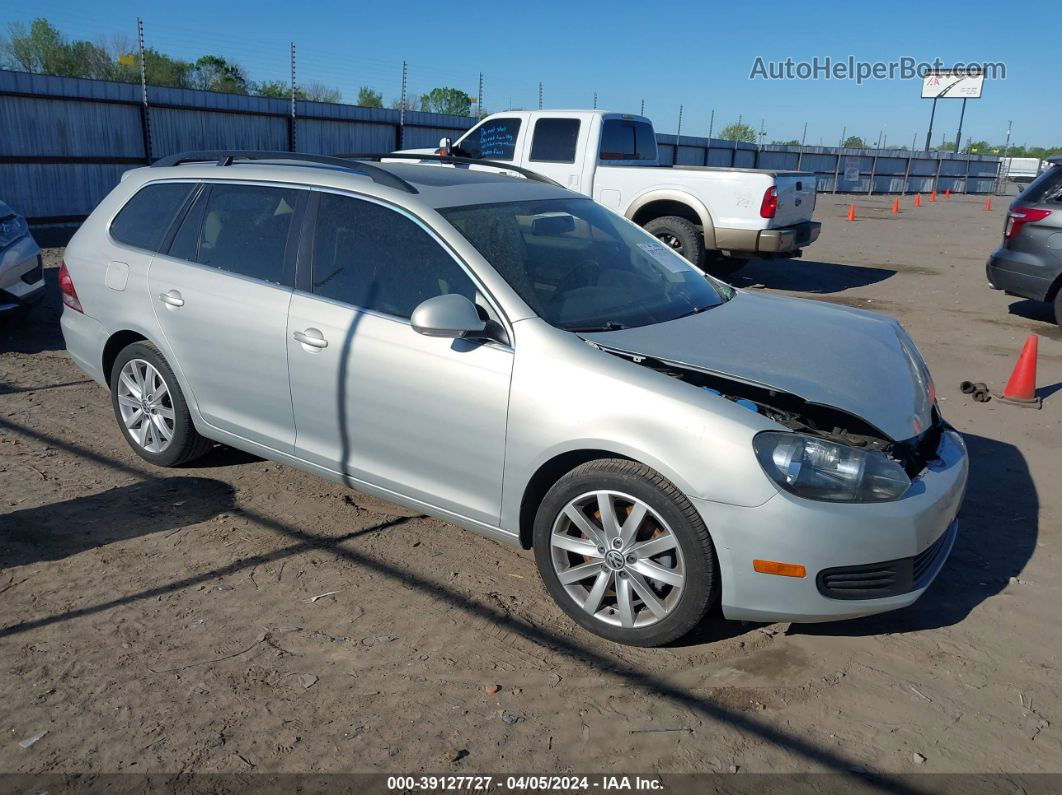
491	349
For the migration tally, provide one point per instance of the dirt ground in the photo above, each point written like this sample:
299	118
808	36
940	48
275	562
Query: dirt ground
241	616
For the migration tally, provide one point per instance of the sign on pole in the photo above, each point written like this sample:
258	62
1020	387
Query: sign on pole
947	85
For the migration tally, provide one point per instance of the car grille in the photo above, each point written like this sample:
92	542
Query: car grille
33	276
890	578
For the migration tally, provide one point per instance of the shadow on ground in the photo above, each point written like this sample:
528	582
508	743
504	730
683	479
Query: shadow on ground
35	328
998	528
61	529
808	276
1040	312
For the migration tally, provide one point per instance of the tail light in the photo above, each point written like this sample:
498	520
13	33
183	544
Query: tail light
769	205
66	289
1018	218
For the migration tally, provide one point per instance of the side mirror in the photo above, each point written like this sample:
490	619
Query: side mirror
449	315
446	146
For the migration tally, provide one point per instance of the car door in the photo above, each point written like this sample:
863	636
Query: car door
374	400
553	146
221	293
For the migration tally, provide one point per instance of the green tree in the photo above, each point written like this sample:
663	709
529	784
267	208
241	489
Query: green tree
790	142
277	89
447	100
853	142
43	49
160	69
368	98
946	147
978	148
738	132
214	73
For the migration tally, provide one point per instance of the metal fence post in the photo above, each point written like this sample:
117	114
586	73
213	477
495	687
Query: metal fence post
837	170
145	111
873	169
907	173
936	179
402	107
291	116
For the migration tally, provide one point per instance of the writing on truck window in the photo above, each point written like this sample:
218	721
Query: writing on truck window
494	140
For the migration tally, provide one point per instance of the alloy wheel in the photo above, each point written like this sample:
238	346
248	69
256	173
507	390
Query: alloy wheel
146	406
617	559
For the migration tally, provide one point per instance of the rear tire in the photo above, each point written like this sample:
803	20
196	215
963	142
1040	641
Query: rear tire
680	236
643	585
1058	306
151	410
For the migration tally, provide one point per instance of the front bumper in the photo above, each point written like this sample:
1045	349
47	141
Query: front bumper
21	274
823	536
1021	273
783	240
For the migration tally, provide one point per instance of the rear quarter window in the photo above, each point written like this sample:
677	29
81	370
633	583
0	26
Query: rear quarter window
626	139
1045	189
145	219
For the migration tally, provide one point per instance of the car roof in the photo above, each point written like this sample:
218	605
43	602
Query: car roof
434	185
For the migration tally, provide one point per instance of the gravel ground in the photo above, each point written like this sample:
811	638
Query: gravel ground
241	616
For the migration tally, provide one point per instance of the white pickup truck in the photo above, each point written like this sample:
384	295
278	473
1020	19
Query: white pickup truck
718	218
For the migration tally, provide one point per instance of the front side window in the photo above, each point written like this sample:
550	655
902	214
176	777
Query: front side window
494	139
583	268
372	257
555	140
146	218
244	230
624	139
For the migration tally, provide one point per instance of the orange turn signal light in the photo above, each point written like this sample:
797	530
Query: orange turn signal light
781	569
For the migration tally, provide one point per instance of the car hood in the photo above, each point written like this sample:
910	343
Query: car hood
859	362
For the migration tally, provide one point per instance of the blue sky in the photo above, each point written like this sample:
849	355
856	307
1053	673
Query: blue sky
683	52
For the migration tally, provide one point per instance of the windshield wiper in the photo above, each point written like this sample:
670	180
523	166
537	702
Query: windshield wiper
609	326
696	310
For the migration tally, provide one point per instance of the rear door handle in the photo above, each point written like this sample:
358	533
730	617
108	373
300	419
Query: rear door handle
312	337
172	298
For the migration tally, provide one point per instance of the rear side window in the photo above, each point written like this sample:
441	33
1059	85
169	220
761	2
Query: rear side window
623	139
492	140
372	257
555	140
1046	188
244	230
146	218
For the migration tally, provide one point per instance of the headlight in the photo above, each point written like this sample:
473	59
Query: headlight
821	470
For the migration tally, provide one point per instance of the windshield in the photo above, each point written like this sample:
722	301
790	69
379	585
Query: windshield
582	268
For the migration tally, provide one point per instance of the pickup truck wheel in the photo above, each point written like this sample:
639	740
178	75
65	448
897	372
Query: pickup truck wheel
624	553
679	235
721	265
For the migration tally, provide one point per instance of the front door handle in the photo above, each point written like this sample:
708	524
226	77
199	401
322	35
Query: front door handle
172	298
311	337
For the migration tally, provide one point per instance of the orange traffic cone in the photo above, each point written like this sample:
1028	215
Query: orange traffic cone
933	196
1021	388
918	200
988	204
851	211
947	193
896	206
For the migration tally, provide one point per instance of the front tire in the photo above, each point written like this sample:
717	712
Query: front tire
680	235
1058	307
624	553
150	408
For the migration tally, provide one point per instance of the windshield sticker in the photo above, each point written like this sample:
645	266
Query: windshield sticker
669	259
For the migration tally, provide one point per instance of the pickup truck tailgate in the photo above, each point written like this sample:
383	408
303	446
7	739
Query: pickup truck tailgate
796	199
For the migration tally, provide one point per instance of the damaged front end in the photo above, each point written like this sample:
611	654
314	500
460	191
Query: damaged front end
802	416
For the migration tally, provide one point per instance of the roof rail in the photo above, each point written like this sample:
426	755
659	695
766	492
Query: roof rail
378	175
455	160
